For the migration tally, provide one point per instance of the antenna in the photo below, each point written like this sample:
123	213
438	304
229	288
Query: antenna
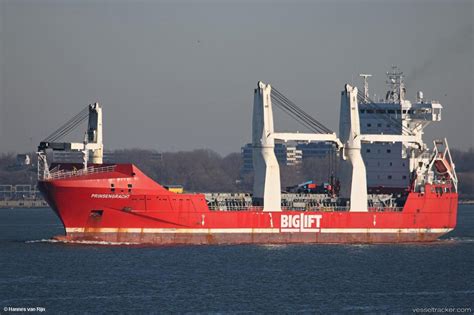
366	86
397	87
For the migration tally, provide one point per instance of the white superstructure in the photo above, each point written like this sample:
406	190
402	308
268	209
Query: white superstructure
391	164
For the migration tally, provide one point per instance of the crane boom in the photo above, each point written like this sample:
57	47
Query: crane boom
267	187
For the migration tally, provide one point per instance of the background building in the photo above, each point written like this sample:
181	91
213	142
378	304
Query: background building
287	155
315	149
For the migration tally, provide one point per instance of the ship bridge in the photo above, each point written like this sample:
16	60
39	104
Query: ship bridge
390	164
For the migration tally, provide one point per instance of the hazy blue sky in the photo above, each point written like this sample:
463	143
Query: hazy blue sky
180	75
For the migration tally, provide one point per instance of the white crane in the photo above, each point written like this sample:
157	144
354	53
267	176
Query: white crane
93	139
266	185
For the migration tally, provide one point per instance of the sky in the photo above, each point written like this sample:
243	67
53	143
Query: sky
178	75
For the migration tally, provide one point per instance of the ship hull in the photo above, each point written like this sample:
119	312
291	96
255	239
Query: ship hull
210	237
126	206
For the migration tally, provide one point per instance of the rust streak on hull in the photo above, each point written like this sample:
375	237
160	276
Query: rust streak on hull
253	238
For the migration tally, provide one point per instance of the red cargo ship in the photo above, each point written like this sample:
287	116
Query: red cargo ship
119	203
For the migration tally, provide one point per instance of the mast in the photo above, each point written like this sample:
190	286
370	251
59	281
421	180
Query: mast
366	86
396	93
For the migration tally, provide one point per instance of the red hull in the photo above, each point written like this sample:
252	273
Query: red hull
124	205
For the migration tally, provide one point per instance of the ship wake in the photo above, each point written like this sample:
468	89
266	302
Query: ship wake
458	239
83	242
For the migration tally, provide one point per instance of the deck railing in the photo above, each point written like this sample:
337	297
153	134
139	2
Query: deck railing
61	174
215	207
385	209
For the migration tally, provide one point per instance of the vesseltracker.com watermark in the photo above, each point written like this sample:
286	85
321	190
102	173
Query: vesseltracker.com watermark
422	310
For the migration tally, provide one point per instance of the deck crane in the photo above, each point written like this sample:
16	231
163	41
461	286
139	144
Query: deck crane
92	147
266	188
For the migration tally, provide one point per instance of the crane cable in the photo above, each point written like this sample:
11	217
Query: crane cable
301	112
69	126
297	113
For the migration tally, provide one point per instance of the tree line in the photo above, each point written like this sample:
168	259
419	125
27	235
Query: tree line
206	171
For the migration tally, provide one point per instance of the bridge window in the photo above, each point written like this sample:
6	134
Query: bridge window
362	111
389	151
379	125
369	125
389	177
370	111
391	164
367	150
404	177
391	111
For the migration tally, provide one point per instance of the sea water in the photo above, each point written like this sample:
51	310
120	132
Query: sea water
40	275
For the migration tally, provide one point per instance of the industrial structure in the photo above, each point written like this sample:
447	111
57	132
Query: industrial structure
24	196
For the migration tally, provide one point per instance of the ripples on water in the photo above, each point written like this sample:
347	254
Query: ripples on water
104	243
99	277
